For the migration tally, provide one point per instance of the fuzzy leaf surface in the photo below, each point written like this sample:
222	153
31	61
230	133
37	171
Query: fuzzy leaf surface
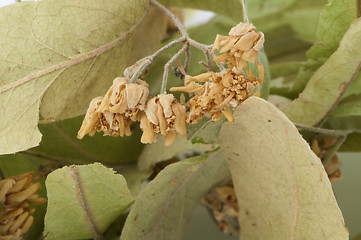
60	142
83	201
282	188
327	85
169	200
60	54
157	152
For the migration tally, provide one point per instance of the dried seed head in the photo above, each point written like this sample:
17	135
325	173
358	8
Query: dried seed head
113	113
240	46
222	201
212	99
16	194
322	147
163	115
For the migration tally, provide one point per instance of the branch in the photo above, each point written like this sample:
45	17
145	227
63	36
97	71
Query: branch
173	18
147	61
330	132
163	89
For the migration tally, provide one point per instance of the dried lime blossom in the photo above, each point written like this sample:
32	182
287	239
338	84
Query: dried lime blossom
222	201
212	99
113	113
163	115
17	193
240	46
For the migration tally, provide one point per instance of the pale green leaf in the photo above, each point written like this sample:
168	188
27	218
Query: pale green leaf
164	207
352	143
83	201
205	131
326	86
134	177
157	152
60	142
279	101
335	19
348	106
281	186
69	50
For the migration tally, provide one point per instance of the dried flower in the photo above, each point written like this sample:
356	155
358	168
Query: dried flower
163	115
113	114
322	147
240	46
17	193
222	201
212	99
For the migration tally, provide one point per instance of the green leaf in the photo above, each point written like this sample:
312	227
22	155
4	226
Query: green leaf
134	177
265	87
164	207
282	189
326	86
352	143
84	201
157	152
205	131
348	106
69	50
60	142
15	164
335	19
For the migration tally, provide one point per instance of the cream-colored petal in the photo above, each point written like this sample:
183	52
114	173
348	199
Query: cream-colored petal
91	118
217	41
148	135
190	88
170	138
203	77
151	110
163	125
241	29
180	119
250	56
134	93
246	42
166	101
259	45
229	45
228	113
120	119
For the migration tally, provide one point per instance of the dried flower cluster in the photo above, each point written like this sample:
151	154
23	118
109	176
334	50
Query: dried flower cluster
240	46
322	148
113	113
163	115
222	201
213	94
127	102
17	193
212	99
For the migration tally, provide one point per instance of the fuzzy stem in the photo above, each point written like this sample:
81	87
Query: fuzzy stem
150	59
173	18
245	11
334	149
206	50
188	59
163	89
324	131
